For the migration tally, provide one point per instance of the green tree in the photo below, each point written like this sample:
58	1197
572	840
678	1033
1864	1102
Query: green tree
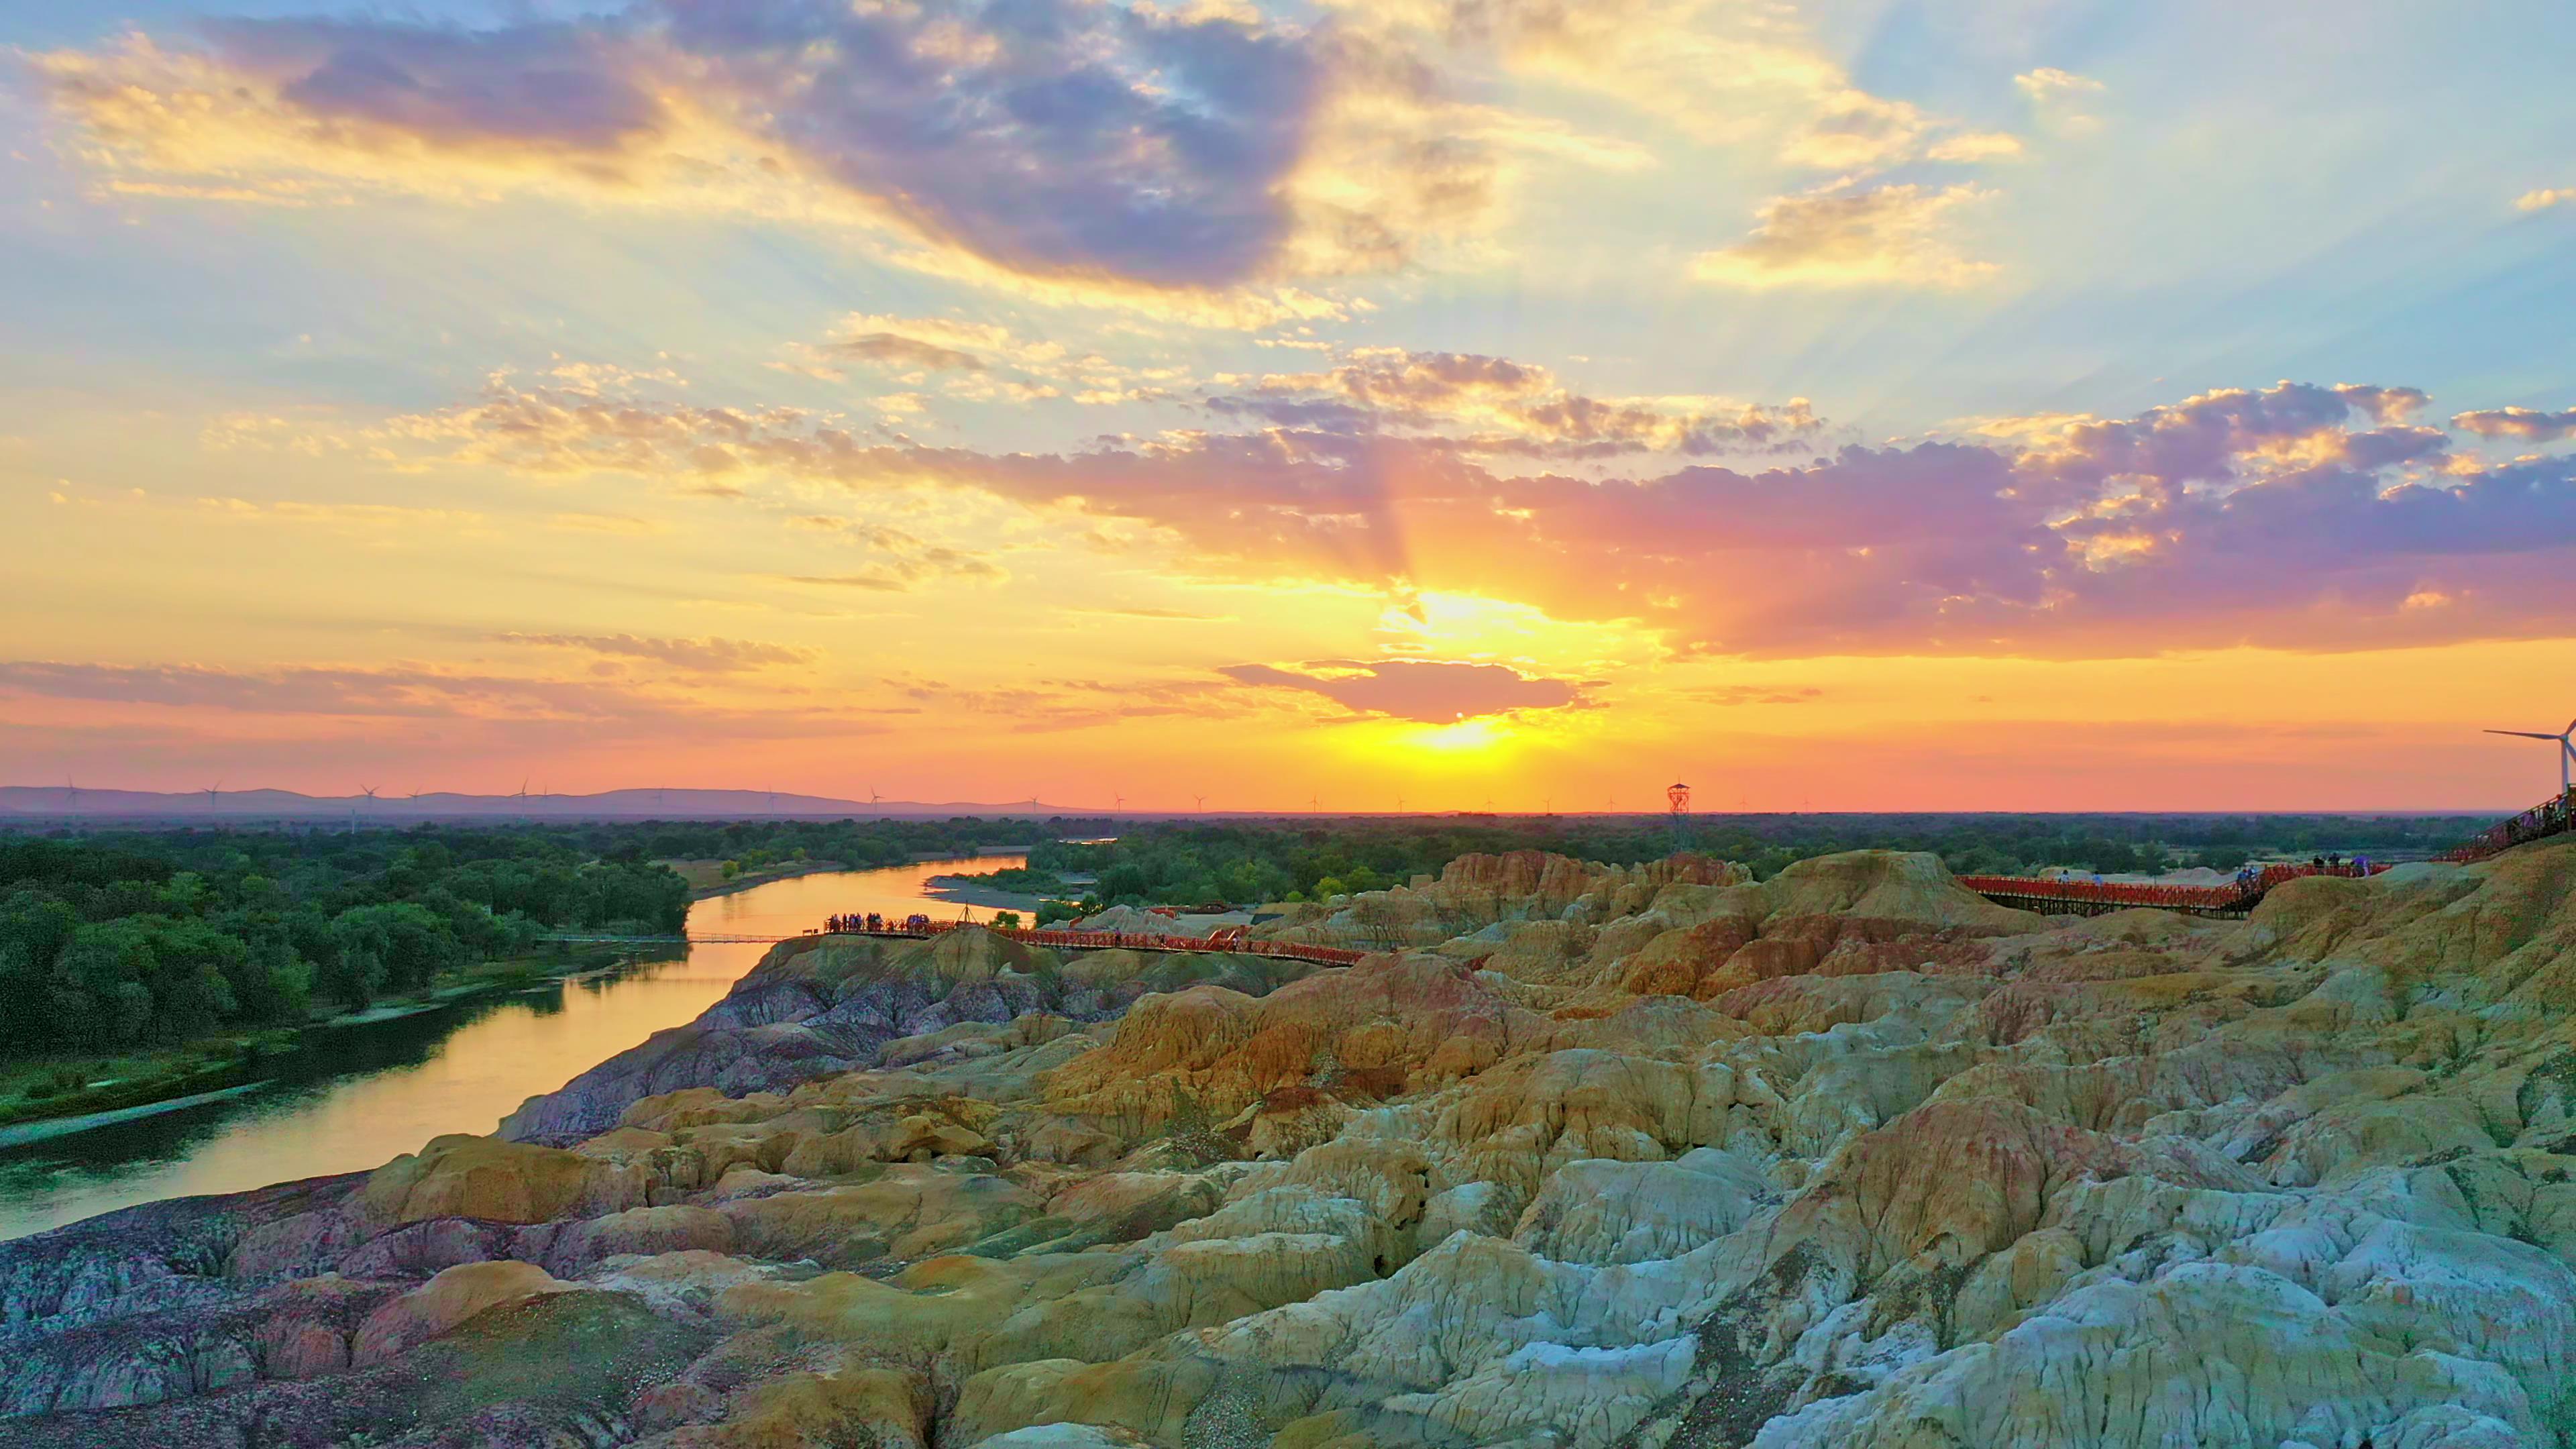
400	947
96	992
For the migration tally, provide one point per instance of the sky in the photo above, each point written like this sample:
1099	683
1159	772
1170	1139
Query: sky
1422	404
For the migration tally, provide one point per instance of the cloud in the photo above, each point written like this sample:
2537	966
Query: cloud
1744	77
2217	437
1840	237
893	349
1052	706
980	362
711	656
358	515
352	692
1182	616
362	716
541	85
2526	423
2299	515
1494	406
1739	694
618	523
904	560
1431	690
2048	82
1102	146
2545	197
2057	97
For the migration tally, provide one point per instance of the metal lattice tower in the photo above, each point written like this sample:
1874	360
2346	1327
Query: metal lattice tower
1678	797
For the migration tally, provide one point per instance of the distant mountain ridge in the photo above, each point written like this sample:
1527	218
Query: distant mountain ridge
61	802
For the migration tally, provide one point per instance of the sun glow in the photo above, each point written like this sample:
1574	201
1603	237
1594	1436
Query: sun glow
1462	736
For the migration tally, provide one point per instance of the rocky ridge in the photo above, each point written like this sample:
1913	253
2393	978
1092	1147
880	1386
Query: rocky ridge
1659	1157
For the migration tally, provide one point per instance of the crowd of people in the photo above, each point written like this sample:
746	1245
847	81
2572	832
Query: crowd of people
874	921
2250	875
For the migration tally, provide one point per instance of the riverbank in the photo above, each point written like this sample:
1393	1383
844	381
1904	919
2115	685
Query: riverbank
707	879
54	1090
965	890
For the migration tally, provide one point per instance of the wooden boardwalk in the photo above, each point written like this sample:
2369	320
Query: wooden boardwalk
2062	896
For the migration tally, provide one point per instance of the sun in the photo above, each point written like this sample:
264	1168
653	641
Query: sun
1462	735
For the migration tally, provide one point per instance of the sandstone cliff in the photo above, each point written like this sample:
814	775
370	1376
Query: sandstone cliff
1663	1157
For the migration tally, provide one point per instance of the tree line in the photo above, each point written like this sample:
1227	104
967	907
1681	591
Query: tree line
1178	862
138	937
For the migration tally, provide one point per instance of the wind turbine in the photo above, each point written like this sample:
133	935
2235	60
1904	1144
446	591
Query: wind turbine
212	791
71	793
1117	802
369	792
1314	804
2566	739
1202	799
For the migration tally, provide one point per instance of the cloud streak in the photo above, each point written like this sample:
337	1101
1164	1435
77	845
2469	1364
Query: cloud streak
1495	406
2296	515
1900	234
2528	424
705	656
1432	691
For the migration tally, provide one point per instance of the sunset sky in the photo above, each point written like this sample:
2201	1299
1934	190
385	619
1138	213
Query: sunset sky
1840	404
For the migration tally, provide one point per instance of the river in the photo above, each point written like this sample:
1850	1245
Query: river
363	1094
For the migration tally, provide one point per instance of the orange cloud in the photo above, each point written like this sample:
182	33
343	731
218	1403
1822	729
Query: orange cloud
1844	237
1434	691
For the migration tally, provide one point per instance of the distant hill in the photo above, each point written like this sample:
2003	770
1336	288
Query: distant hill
64	802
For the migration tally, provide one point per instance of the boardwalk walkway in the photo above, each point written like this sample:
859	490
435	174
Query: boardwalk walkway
2057	896
1233	942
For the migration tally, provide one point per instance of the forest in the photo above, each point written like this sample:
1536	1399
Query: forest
137	937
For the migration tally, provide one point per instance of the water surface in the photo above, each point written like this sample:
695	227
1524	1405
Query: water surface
362	1095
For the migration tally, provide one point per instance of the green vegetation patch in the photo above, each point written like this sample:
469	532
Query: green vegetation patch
562	1353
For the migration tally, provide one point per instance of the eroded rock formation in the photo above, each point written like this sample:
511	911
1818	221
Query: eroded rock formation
1849	1157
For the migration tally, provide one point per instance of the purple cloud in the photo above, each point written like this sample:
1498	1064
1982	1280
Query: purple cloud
1045	135
2272	517
551	86
1132	144
2526	423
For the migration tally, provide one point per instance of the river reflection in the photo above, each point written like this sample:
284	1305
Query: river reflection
362	1095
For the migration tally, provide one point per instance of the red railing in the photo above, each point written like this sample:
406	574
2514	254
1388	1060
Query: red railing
2550	817
2236	895
1229	940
